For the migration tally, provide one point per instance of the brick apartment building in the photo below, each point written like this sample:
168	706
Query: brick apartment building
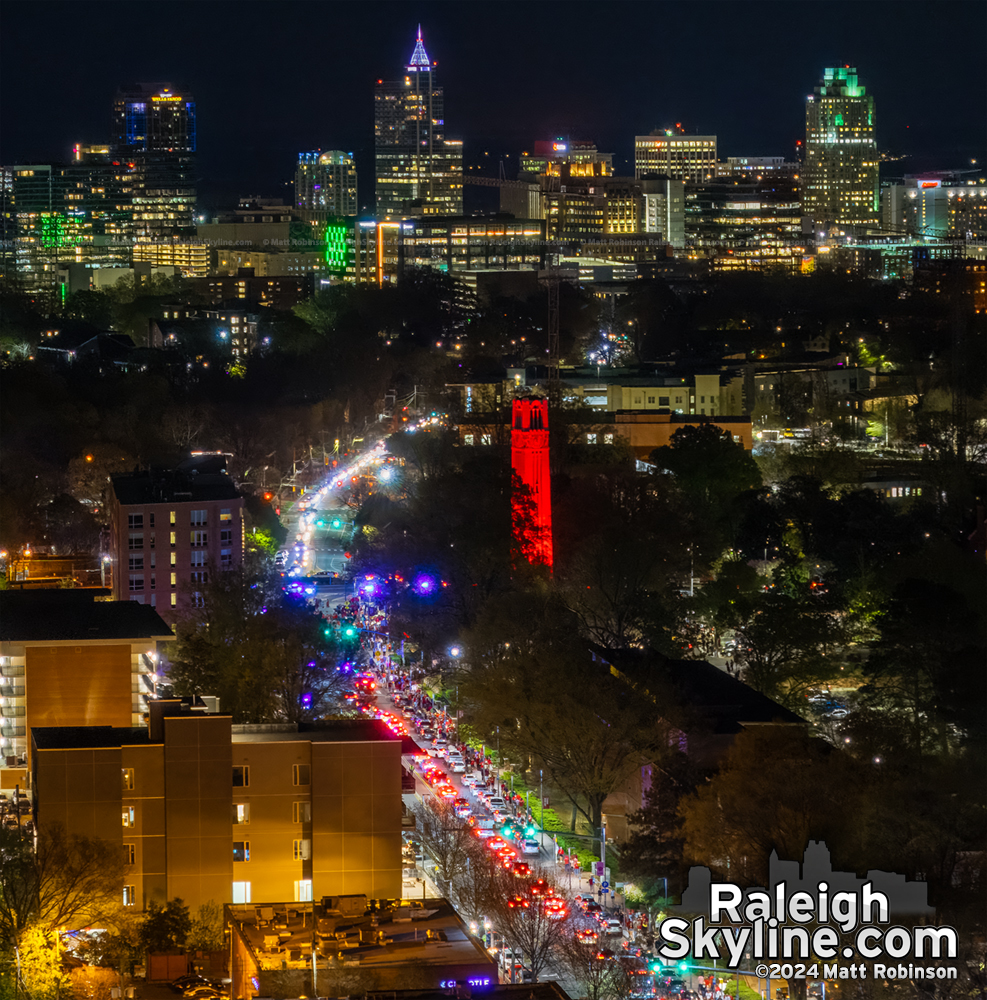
168	530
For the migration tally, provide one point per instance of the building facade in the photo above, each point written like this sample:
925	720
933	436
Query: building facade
840	173
169	531
415	165
325	185
212	812
154	131
68	659
680	157
664	209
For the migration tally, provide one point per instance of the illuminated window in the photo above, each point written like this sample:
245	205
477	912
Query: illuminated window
171	517
591	439
301	774
226	515
241	777
128	817
174	600
199	538
241	892
130	895
303	890
128	779
241	850
174	539
301	812
241	813
467	439
301	849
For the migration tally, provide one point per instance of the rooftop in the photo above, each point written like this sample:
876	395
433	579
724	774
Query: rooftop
374	934
88	737
726	703
202	478
74	616
330	731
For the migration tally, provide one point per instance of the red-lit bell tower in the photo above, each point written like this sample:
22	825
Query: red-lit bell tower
529	459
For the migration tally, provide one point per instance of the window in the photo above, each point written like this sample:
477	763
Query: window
225	558
591	439
135	522
174	600
128	779
303	891
150	520
301	849
135	563
198	601
300	774
199	577
241	777
152	554
226	536
651	399
128	817
136	581
130	854
198	559
171	517
467	439
174	579
608	439
226	514
198	517
663	400
200	538
301	812
241	850
702	399
174	538
486	439
136	541
130	895
241	813
174	558
241	892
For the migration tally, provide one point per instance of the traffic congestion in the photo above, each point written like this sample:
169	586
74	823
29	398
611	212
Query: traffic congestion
458	782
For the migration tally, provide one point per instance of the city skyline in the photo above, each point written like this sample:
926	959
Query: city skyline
516	74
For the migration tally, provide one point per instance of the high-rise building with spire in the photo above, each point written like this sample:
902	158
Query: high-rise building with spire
419	171
840	175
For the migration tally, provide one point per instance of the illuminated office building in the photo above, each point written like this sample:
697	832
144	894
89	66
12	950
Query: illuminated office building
676	156
325	185
575	157
154	134
840	173
418	171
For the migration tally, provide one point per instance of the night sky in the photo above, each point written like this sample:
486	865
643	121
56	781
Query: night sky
272	79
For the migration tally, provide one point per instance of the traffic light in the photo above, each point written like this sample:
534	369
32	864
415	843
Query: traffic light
336	523
349	631
507	832
682	967
655	965
530	830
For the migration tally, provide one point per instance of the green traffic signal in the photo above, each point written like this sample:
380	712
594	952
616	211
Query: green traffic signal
349	631
683	966
655	965
530	831
321	524
508	832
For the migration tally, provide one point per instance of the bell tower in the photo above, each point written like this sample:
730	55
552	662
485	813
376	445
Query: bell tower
529	459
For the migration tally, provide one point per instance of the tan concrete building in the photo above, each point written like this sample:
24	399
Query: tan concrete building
70	659
207	811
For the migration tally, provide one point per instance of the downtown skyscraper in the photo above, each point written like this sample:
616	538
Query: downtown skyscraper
418	171
154	136
840	175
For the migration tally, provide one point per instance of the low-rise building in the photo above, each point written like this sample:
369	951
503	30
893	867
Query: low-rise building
353	942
